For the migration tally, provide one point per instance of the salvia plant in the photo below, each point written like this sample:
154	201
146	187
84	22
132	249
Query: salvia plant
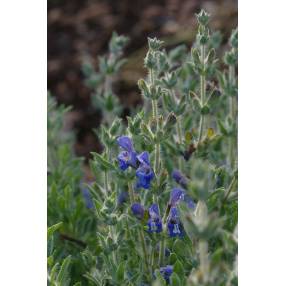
162	209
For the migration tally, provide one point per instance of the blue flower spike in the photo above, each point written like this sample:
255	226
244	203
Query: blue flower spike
128	156
154	221
166	272
138	210
144	173
175	227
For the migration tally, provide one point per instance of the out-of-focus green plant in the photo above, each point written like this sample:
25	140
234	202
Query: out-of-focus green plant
101	80
162	209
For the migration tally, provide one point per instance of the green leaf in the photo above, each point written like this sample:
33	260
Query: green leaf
92	279
179	268
175	280
173	258
222	128
104	164
50	260
62	277
120	272
54	272
160	281
179	247
53	228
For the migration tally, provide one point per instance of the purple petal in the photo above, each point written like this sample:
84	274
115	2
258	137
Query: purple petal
143	158
126	143
138	210
144	176
154	210
176	195
123	159
180	178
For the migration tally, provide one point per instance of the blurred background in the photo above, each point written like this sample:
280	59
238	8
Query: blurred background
83	27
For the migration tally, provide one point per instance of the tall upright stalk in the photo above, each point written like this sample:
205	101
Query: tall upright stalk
141	234
202	92
157	159
178	129
232	114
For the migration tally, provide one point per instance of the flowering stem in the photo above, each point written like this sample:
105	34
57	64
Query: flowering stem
202	92
131	193
155	117
162	244
179	132
106	187
157	159
233	116
141	233
179	128
157	145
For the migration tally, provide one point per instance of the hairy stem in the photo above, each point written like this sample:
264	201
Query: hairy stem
106	187
204	261
202	92
162	244
178	129
232	114
141	233
157	145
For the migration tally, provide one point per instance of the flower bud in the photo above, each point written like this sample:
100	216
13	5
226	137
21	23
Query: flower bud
154	44
203	18
150	61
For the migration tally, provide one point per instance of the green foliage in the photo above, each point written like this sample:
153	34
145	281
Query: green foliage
188	122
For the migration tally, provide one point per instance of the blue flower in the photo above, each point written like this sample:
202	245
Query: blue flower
175	227
122	198
143	158
180	178
125	143
154	221
144	173
87	198
138	210
128	156
176	195
166	272
191	204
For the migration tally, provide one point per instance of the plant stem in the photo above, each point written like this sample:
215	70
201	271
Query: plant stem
157	158
141	233
179	129
106	187
180	136
202	92
232	115
131	193
162	244
204	261
157	145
